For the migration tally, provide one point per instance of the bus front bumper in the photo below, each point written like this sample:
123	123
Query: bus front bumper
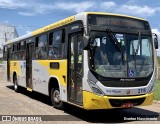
92	101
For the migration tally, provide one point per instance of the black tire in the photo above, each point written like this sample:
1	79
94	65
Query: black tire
55	98
15	82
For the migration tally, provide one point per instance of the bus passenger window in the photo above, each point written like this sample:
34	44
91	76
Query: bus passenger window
55	45
22	55
15	51
21	52
41	47
5	53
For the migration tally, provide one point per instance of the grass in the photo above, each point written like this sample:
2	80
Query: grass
158	60
157	90
0	61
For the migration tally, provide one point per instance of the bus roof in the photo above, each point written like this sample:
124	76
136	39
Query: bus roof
79	16
113	14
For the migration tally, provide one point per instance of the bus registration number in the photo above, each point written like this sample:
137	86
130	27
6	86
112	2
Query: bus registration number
127	105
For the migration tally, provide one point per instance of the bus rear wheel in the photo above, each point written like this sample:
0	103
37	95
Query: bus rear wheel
55	98
15	82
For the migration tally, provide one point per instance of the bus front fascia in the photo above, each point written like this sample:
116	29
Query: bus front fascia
100	28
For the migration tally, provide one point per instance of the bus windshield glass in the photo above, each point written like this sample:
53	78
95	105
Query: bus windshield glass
130	56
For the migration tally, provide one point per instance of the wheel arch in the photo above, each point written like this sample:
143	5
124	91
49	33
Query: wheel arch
53	85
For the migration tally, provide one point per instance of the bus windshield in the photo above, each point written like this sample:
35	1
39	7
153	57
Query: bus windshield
134	60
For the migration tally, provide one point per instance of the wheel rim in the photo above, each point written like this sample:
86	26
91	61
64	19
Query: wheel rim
56	96
15	86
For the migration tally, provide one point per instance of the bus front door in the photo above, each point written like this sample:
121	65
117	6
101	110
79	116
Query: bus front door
8	63
29	54
75	66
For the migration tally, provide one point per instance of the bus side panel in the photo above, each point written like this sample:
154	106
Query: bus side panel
42	73
4	70
22	74
12	63
40	76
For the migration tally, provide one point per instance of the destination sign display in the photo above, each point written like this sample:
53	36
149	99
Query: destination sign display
116	21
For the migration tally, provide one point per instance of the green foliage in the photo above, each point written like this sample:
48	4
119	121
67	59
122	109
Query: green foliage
158	59
157	90
0	61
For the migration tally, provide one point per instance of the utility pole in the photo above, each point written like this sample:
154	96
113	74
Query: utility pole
5	36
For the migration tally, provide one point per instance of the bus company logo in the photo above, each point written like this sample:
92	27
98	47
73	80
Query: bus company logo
127	79
128	92
113	91
75	27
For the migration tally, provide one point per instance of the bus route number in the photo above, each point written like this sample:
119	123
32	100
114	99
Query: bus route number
142	90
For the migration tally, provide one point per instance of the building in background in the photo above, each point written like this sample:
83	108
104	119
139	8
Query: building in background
7	32
1	54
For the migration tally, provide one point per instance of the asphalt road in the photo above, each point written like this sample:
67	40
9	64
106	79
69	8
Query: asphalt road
26	104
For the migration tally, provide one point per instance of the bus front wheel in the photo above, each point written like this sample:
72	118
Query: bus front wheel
55	98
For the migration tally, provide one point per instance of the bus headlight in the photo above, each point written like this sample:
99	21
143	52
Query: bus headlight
151	87
95	88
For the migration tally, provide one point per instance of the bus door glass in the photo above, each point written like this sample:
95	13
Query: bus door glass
8	63
75	68
30	49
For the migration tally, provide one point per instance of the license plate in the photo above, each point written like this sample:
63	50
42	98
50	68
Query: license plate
127	105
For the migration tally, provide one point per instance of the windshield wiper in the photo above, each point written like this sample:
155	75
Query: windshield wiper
138	44
116	43
114	40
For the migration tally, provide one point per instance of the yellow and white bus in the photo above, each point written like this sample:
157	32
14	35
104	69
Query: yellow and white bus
92	60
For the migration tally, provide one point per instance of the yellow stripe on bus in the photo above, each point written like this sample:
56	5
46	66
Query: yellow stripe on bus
54	25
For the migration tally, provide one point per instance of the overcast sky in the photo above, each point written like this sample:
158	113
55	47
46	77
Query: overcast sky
28	15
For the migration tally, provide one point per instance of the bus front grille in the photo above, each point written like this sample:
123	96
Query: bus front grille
125	83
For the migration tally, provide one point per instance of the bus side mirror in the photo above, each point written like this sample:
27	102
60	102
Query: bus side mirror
155	39
156	43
